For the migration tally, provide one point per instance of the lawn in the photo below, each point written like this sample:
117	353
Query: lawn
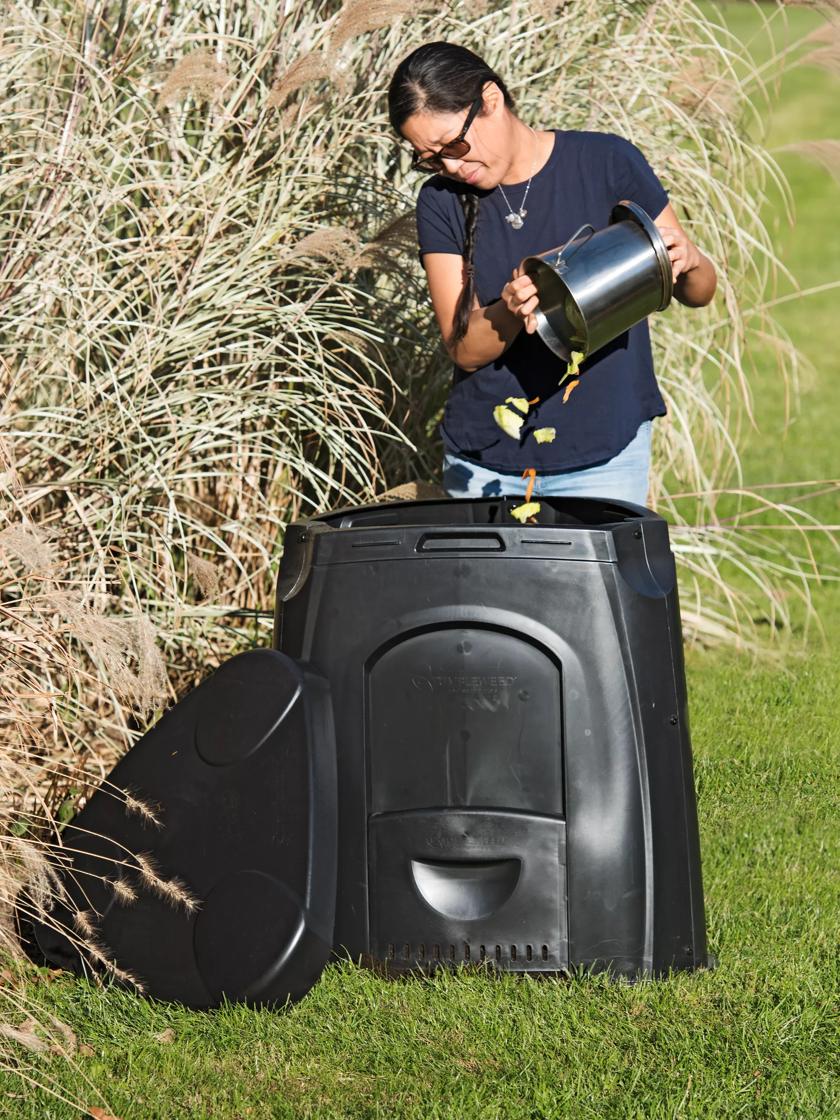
757	1037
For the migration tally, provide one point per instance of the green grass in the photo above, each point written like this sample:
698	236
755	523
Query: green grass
804	110
756	1038
793	438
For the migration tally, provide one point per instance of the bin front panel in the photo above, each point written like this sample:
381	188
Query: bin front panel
465	716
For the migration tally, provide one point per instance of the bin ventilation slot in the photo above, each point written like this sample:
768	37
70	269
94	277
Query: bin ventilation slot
378	544
465	889
463	951
546	540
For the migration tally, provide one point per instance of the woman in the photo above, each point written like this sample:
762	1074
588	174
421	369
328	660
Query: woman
500	192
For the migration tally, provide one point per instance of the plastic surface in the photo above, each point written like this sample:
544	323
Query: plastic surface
241	775
514	761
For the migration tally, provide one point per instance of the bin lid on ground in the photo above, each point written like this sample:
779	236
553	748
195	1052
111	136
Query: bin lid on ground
204	867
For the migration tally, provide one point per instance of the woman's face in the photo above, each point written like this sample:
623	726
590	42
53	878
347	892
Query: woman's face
489	157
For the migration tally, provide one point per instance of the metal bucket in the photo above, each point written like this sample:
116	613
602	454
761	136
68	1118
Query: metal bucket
601	283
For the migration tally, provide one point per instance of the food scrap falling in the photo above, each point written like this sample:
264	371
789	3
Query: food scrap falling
573	368
526	512
529	509
510	420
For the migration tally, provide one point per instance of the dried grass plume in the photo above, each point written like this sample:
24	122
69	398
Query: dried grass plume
198	73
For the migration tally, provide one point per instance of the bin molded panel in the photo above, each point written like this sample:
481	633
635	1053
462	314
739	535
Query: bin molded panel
468	886
464	716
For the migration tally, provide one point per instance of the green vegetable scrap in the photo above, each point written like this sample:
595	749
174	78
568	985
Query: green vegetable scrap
545	435
509	421
573	368
526	510
520	403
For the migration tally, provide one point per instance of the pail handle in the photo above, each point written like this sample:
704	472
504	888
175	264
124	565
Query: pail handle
574	237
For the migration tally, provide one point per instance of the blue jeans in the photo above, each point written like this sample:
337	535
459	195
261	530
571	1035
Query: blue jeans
624	477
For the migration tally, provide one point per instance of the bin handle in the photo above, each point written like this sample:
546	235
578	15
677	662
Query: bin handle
461	540
574	237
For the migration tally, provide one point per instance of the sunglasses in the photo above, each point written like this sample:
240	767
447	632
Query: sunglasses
455	149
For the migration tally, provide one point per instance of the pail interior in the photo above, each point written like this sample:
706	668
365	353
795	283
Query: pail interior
560	322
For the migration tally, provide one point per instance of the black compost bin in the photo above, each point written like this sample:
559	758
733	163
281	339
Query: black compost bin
514	766
471	745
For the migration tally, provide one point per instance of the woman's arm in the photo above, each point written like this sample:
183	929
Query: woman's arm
491	329
695	279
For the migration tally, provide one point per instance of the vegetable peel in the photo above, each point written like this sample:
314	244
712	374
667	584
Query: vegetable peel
519	403
572	385
545	435
573	368
508	420
526	510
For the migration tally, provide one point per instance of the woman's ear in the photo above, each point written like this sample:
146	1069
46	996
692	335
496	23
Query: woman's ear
493	99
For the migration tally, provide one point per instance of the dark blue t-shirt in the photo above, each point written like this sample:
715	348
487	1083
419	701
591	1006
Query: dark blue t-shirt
586	174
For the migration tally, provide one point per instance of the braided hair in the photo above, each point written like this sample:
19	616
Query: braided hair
445	78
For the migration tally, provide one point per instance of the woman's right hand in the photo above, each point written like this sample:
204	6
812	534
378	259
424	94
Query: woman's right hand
520	297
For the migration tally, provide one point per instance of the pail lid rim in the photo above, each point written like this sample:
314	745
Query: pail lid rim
626	210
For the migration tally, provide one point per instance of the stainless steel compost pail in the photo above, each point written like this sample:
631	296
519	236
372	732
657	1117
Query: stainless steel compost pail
601	282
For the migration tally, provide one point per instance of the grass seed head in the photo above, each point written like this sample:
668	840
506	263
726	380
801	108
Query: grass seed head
83	920
135	806
824	152
123	891
312	67
334	244
198	73
360	16
29	545
205	574
171	890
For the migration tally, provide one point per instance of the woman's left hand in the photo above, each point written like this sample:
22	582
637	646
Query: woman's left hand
685	256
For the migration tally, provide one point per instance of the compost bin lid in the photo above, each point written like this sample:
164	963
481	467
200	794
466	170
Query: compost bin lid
221	823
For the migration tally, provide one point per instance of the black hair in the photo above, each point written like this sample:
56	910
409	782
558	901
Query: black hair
445	78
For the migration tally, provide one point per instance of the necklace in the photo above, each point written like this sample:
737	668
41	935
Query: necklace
517	218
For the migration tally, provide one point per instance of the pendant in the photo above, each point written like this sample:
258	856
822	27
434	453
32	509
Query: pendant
517	220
